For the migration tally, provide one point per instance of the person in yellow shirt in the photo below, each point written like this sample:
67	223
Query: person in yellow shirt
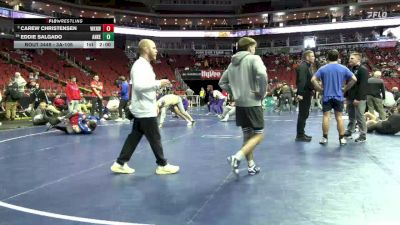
174	102
202	96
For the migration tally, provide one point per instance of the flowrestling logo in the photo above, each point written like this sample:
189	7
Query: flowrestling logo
373	15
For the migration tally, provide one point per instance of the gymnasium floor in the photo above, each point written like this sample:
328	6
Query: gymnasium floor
49	178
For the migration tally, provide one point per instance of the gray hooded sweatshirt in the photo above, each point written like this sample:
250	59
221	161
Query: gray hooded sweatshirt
245	79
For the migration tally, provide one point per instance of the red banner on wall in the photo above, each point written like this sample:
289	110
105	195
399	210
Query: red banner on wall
211	74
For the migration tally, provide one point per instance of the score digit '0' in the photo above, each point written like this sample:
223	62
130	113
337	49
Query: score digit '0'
108	27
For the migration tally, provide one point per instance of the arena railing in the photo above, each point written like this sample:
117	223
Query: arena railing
233	33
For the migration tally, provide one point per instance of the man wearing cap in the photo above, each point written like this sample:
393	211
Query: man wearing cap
246	80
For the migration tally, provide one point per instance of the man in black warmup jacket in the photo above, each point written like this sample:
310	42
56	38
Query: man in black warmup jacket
304	94
357	99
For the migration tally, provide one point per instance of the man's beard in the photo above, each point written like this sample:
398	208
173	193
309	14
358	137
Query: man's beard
153	57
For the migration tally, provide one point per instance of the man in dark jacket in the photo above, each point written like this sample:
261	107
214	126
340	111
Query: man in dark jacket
304	94
11	98
37	96
356	98
376	95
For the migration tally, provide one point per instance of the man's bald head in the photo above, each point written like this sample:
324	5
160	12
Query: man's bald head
147	49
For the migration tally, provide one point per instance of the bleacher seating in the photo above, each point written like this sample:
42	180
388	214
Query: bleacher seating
110	64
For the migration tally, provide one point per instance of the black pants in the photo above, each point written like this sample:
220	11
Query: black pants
97	103
122	105
148	127
304	111
62	128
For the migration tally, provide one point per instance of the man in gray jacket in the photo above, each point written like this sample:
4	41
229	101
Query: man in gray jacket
246	80
376	95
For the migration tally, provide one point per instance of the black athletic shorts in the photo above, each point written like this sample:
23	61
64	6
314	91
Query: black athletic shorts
334	104
252	117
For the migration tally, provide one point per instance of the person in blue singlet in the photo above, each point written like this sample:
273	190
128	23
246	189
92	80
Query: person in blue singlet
333	76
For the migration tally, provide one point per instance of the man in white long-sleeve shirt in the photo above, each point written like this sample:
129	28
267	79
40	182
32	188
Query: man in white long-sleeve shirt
144	110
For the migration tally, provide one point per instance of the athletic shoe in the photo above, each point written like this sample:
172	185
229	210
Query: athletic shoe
49	126
343	141
323	141
225	119
253	170
303	138
347	133
234	163
117	168
167	169
361	138
189	124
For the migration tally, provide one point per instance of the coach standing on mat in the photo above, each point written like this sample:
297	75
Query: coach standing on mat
357	99
144	110
304	94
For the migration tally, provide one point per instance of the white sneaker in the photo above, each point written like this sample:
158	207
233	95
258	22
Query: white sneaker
323	141
234	163
117	168
189	124
167	169
225	119
102	120
343	141
119	120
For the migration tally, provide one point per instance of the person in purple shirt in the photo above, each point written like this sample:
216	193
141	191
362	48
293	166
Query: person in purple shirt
185	103
333	76
211	100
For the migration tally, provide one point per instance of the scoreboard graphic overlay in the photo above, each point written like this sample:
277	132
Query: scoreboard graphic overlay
89	33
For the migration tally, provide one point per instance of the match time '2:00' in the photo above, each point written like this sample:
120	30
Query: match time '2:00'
106	44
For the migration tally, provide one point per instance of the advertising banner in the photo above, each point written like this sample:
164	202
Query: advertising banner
379	44
211	74
201	74
191	75
212	52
